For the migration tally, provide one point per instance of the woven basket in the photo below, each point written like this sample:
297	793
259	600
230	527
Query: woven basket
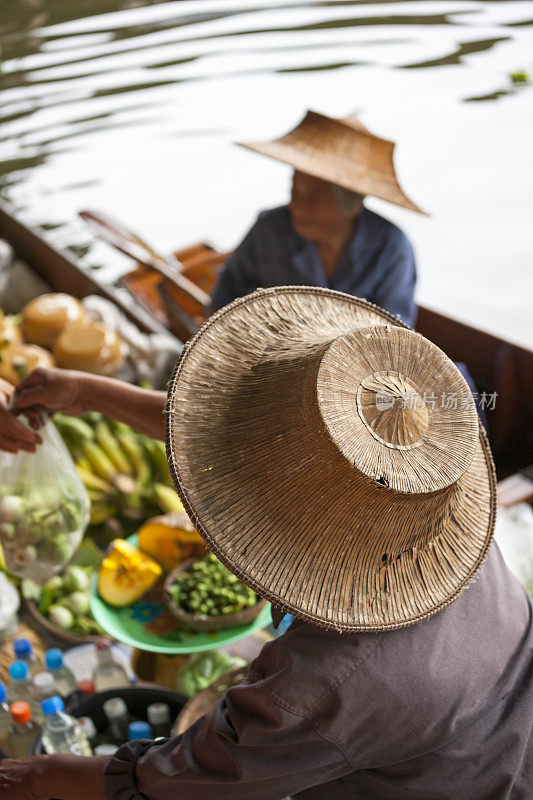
205	623
70	638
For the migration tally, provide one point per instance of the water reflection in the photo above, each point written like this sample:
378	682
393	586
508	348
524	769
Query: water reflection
132	106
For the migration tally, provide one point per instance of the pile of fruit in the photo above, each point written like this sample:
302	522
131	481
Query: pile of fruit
125	473
64	600
40	528
54	330
209	589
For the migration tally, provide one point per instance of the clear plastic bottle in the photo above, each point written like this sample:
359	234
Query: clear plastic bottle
61	732
159	719
89	729
118	720
24	652
22	730
63	676
139	730
5	719
43	686
108	674
21	688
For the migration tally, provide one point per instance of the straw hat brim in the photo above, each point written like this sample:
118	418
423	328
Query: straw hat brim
340	151
277	502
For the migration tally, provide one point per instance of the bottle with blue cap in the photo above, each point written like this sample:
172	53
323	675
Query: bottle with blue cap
61	733
5	719
24	652
21	688
63	678
139	730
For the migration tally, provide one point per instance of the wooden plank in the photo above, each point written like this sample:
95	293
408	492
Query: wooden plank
61	271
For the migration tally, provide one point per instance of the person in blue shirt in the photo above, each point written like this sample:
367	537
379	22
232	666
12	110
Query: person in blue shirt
325	236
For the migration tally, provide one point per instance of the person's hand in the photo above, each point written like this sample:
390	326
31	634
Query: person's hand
59	775
17	779
14	436
49	391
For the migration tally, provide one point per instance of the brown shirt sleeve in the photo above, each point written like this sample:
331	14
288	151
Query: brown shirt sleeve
251	747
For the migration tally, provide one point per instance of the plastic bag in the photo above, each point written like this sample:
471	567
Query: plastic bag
203	669
44	508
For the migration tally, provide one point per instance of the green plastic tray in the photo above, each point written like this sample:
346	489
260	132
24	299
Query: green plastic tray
126	625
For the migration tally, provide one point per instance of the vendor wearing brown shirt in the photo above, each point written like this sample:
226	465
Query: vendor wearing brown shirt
308	449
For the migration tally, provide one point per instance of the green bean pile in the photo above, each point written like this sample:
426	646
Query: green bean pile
209	589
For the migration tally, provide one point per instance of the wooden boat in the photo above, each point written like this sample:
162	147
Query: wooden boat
496	364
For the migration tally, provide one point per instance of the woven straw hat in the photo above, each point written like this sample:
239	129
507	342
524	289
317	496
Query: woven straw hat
315	442
341	151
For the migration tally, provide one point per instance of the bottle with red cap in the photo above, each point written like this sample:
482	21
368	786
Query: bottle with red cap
86	687
21	688
22	730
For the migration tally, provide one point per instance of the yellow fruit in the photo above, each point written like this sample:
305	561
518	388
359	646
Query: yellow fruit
126	574
9	333
167	499
171	539
89	346
18	360
44	317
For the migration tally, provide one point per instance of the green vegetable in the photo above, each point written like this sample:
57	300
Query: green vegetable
88	556
51	592
39	528
62	551
61	616
86	626
76	579
7	530
30	590
69	610
203	669
78	603
209	589
11	508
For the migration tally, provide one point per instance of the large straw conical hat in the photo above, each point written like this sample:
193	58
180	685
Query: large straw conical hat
341	151
332	458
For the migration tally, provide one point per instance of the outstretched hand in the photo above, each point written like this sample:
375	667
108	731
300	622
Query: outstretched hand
62	775
15	436
50	390
17	779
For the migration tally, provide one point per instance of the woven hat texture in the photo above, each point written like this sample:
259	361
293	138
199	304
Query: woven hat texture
309	440
341	151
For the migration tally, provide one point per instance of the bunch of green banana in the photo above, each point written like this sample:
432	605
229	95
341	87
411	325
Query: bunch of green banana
125	473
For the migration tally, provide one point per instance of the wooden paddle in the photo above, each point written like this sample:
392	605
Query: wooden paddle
132	245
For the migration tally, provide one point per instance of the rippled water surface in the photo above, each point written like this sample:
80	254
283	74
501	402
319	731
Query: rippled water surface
132	107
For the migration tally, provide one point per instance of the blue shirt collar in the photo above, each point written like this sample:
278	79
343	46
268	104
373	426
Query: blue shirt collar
307	262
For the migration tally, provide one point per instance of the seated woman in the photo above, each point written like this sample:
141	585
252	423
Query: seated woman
325	236
407	672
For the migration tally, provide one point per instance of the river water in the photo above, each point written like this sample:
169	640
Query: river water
132	107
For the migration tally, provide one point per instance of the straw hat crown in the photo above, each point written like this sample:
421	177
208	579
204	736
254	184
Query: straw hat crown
341	151
312	438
